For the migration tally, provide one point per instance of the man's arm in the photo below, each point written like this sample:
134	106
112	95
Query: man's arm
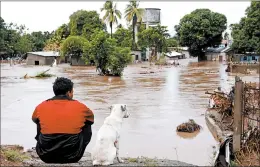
35	117
89	116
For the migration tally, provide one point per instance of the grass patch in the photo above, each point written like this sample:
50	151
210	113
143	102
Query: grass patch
13	154
150	162
132	159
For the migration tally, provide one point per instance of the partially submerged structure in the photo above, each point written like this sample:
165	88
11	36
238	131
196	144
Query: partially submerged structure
42	58
217	54
246	58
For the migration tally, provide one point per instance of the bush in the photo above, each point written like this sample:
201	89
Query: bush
161	61
109	59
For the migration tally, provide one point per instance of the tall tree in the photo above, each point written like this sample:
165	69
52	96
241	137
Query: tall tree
226	36
200	29
154	37
84	23
245	33
123	37
133	14
112	14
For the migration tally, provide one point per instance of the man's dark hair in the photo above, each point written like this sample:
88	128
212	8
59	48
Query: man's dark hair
62	85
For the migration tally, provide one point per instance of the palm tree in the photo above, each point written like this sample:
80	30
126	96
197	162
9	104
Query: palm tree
134	14
111	15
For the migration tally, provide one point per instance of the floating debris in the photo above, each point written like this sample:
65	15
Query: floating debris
43	74
190	126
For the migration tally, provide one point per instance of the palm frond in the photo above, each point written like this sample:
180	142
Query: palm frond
118	13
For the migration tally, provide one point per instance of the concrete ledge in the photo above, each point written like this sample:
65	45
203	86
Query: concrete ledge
213	126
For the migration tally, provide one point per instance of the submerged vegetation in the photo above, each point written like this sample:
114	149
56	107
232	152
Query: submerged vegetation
190	126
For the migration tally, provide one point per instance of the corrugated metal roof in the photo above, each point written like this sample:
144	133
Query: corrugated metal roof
215	50
227	49
46	54
173	54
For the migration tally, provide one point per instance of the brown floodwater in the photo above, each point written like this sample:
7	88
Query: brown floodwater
158	103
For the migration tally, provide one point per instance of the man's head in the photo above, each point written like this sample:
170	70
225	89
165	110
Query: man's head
63	86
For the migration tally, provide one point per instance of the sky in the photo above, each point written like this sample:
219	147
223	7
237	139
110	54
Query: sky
48	16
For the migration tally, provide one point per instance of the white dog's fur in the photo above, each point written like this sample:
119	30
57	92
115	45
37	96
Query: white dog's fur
107	143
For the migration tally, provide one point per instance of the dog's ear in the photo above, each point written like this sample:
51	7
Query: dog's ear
110	108
123	107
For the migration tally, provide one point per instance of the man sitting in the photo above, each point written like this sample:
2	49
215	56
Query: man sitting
63	125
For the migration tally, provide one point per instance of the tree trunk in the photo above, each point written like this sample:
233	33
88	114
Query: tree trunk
133	43
155	53
134	23
202	57
111	26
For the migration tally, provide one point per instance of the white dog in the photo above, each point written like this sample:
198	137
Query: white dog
107	144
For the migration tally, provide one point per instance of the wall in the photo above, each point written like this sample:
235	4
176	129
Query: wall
248	58
211	56
224	56
186	53
75	62
139	53
32	58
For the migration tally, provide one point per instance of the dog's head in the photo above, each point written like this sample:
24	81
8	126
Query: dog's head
119	110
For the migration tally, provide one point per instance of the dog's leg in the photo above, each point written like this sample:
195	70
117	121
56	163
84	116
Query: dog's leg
117	152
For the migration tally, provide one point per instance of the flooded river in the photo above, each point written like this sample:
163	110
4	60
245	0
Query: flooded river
158	103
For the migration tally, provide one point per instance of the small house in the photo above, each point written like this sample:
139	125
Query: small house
216	54
42	58
246	58
136	55
172	56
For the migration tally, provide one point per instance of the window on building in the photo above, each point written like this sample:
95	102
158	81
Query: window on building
253	58
37	63
245	58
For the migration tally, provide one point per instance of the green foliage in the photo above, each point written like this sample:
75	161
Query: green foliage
245	38
109	59
73	45
171	42
15	41
133	14
154	37
112	14
84	23
39	40
200	29
161	61
123	37
24	44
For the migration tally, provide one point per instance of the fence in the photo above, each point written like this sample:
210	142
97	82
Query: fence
246	111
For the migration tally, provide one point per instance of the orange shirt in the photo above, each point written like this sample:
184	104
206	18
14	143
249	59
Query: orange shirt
62	116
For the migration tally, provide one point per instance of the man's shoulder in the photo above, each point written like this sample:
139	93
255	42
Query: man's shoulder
80	104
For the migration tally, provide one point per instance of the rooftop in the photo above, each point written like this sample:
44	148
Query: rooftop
46	54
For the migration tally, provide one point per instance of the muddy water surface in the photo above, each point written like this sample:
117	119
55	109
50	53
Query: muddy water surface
158	103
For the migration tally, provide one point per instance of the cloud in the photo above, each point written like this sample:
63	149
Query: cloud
48	16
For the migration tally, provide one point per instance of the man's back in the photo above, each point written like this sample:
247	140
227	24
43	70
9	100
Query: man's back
63	125
62	115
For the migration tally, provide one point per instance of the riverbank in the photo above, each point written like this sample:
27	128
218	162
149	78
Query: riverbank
14	155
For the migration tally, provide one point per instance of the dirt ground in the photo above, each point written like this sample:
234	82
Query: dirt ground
13	155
